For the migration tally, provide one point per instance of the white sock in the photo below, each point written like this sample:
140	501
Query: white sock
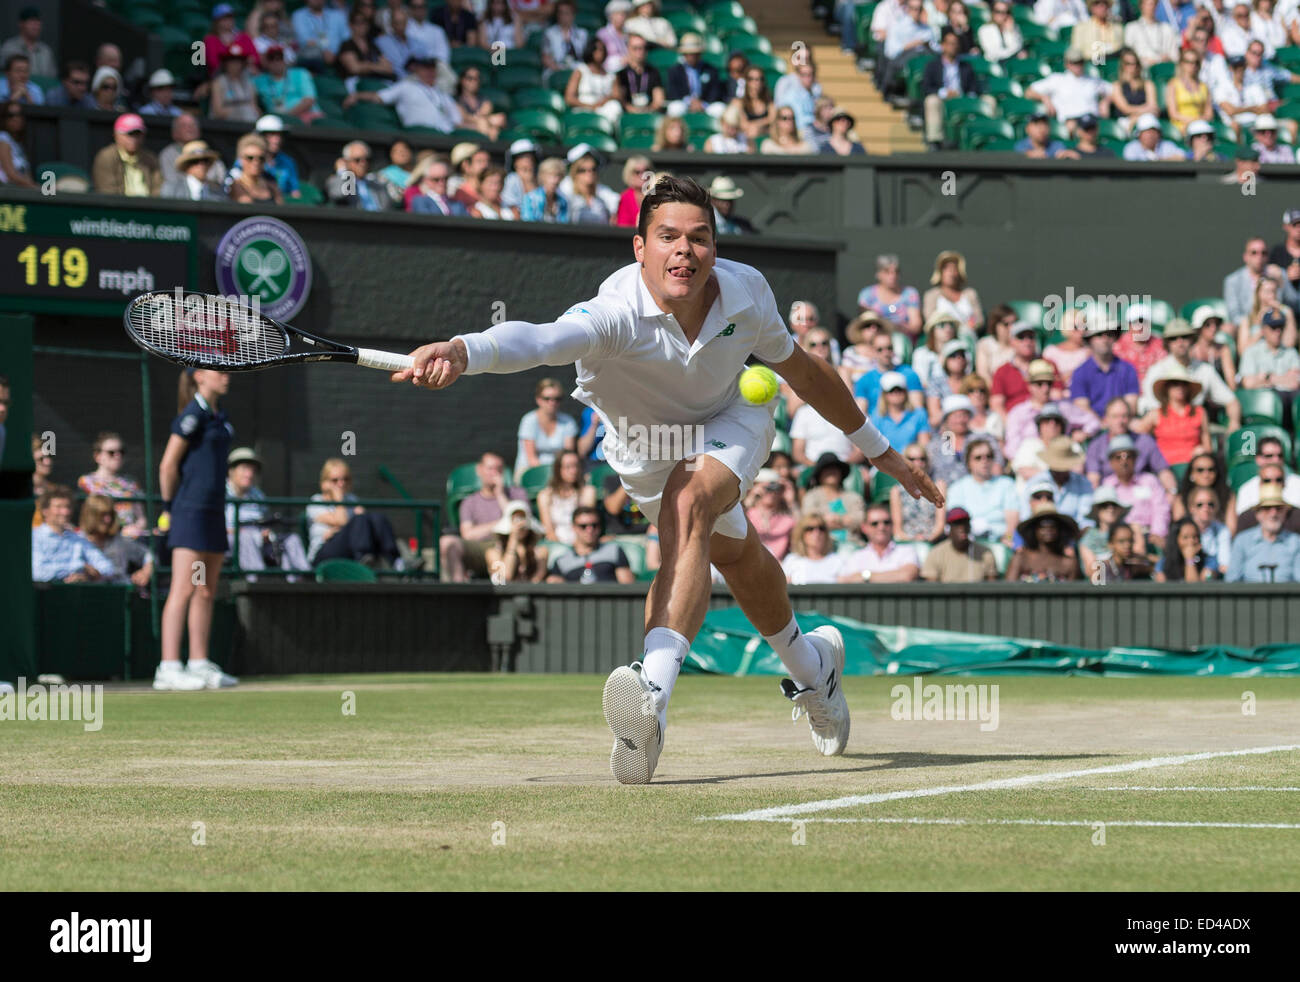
664	651
196	663
797	654
169	666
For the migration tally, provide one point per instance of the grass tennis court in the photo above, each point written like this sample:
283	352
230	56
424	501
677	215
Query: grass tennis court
292	794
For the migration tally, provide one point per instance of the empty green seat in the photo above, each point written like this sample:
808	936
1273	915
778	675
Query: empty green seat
344	571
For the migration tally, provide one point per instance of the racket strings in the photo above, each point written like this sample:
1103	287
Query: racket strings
201	329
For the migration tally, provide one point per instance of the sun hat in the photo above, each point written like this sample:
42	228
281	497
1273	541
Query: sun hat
1106	496
855	327
504	524
242	455
1176	374
193	152
724	188
1062	454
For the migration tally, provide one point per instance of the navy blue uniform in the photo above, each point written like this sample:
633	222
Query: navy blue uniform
198	510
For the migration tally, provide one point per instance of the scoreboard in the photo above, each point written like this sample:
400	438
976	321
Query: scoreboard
61	259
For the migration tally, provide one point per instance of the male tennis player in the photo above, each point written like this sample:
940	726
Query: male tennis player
663	344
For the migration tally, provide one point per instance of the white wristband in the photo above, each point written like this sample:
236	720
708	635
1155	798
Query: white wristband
869	440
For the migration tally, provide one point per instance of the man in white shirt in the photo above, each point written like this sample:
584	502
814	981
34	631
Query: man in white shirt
418	100
1071	93
1236	32
1237	102
659	352
1147	143
909	37
1152	41
1060	13
881	560
1268	458
1270	151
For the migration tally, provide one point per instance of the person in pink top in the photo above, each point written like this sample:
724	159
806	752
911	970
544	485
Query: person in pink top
223	37
770	513
1022	419
635	172
1141	493
1070	352
1138	345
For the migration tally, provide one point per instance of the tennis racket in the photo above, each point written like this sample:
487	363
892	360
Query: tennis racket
200	330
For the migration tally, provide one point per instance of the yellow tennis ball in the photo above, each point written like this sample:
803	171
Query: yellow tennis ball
759	384
164	521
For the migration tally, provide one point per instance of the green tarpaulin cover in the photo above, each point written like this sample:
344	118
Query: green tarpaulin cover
728	645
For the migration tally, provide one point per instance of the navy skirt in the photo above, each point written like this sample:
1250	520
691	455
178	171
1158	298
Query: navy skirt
200	530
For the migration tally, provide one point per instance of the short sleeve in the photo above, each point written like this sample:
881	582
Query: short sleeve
913	380
186	425
774	343
528	426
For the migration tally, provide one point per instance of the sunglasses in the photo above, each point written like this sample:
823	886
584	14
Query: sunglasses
816	528
260	158
916	460
338	480
819	344
1203	470
585	525
549	398
585	170
117	452
982	456
883	521
359	160
785	118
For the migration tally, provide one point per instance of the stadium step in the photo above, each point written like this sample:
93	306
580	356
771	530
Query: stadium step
881	128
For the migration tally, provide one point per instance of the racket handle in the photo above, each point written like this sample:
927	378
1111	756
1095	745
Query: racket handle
384	360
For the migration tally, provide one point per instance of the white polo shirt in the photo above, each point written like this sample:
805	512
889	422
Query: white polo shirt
641	369
867	558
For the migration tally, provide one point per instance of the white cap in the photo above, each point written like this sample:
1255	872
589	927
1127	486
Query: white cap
1199	127
270	123
892	380
581	150
1265	121
1146	121
955	404
954	347
161	79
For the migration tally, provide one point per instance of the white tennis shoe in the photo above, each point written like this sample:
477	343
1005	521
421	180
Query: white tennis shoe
633	716
211	676
171	677
824	703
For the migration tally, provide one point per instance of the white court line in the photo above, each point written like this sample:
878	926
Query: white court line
811	807
1243	787
1038	821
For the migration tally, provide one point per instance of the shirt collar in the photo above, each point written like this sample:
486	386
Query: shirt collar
203	403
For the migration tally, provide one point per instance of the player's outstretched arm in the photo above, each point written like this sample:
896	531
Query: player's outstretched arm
514	346
818	384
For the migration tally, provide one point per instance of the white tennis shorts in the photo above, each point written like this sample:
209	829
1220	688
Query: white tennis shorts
740	437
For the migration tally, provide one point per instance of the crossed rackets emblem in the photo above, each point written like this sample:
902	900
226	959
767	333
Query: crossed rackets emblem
263	269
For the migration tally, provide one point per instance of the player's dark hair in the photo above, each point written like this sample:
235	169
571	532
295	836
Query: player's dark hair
52	492
9	62
670	189
75	66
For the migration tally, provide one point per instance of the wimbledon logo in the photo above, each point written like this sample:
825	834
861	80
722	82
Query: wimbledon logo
265	258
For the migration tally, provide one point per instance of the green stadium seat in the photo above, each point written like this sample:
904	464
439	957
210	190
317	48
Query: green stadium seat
1003	88
332	122
583	119
598	140
558	82
461	483
637	140
597	474
984	68
1244	443
465	56
1239	475
501	100
902	348
723	8
999	144
344	571
1160	73
1189	308
881	484
1288	110
1026	71
537	121
766	62
373	84
1287	57
538	98
1016	109
957	110
700	123
534	479
1260	406
369	116
511	77
684	20
1001	551
311	194
330	87
524	57
1049	49
663	59
978	130
1178	470
741	41
638	122
635	552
